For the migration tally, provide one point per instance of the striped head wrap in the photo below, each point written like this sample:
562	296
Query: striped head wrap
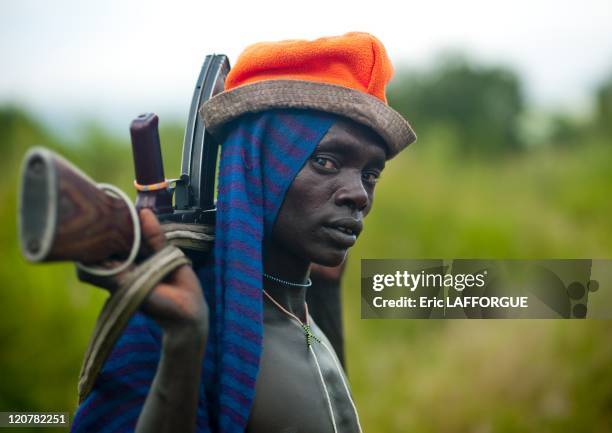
260	156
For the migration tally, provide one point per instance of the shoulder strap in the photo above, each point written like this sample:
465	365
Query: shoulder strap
120	307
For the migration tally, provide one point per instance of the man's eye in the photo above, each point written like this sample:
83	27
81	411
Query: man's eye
370	178
325	163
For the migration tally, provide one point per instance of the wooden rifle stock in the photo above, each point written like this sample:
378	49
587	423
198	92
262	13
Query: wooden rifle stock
65	216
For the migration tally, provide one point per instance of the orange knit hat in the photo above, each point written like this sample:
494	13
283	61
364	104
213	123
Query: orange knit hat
345	75
355	60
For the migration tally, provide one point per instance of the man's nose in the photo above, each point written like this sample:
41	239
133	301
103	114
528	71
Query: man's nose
352	193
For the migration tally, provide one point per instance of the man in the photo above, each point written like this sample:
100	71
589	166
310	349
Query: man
305	133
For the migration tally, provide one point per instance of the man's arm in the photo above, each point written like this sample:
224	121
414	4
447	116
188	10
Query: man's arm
177	305
172	400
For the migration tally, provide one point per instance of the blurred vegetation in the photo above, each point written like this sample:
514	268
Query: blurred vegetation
478	183
604	107
477	106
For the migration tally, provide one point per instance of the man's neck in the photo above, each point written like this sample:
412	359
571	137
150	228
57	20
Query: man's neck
281	265
292	299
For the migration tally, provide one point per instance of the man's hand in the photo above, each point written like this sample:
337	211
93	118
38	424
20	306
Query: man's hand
177	303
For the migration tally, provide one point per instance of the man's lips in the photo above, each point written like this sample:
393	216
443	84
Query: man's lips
345	230
349	226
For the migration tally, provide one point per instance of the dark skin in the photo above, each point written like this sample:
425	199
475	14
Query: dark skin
319	220
334	188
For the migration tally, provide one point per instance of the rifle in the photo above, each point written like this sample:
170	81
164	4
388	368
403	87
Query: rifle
65	216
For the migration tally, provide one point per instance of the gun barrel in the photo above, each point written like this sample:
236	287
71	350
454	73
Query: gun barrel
148	164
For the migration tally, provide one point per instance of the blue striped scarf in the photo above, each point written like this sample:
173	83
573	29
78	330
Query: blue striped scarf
260	157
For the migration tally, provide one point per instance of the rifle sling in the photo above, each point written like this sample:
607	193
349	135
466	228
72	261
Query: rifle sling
119	308
190	237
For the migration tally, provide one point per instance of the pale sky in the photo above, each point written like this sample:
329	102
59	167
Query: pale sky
70	60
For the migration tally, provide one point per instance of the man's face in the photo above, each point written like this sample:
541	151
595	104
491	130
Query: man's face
321	216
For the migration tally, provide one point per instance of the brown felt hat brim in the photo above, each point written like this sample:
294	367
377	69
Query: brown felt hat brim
274	94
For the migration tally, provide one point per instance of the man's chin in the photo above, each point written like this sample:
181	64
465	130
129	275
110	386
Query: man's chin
331	258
